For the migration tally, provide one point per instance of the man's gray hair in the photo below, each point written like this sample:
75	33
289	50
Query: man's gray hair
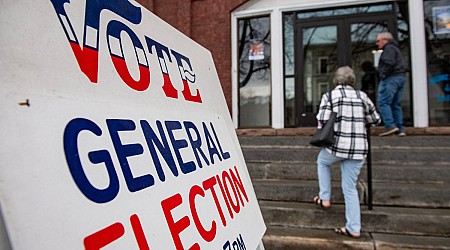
344	76
386	35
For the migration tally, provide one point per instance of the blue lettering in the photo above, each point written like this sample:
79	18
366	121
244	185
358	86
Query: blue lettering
113	32
163	148
168	87
240	242
225	155
87	53
186	167
123	151
73	129
226	246
187	76
212	149
196	144
179	136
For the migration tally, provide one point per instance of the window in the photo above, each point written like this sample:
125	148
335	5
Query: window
438	46
289	70
323	65
254	72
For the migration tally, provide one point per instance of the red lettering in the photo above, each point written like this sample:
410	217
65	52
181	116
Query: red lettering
187	93
104	237
224	196
86	51
139	232
87	59
176	227
239	185
121	68
209	185
113	32
206	235
168	87
186	75
226	179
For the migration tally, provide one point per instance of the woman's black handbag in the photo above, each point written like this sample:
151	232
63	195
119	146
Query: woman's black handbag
325	135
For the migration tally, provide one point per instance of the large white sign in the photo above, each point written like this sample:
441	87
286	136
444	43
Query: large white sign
115	134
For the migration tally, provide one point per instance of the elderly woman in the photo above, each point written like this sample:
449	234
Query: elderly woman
354	111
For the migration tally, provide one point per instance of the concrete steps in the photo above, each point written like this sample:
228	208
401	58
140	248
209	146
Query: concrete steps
409	186
402	156
393	194
411	194
435	174
282	238
392	220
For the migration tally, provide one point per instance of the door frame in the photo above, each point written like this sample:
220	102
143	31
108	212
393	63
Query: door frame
342	23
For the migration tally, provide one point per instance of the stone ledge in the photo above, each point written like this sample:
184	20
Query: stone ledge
310	131
282	238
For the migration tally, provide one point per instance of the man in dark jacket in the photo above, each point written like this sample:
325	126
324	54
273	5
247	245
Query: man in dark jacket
391	71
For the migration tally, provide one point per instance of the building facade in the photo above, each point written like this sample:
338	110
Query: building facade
276	58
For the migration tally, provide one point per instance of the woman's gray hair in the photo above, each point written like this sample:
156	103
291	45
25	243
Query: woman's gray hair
344	76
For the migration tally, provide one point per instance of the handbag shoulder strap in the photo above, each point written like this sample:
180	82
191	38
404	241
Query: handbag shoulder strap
331	99
358	94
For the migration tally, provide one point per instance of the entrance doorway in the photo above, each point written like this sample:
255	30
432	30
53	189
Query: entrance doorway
326	40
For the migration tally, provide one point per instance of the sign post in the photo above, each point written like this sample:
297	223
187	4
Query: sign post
116	134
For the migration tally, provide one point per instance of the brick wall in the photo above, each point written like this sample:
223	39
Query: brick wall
208	22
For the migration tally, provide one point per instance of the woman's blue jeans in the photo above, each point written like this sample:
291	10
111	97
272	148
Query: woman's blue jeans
389	98
350	170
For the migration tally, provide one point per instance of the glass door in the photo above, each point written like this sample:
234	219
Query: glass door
324	45
319	59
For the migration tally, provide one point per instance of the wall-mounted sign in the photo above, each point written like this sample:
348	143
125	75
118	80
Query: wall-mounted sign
256	50
116	134
441	19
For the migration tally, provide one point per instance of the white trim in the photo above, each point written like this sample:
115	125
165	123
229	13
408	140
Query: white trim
418	64
277	81
234	62
252	13
234	75
263	6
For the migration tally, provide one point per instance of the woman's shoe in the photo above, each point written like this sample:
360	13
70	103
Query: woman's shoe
319	202
345	232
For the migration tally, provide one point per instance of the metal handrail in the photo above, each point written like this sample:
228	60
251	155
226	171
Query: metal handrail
369	171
